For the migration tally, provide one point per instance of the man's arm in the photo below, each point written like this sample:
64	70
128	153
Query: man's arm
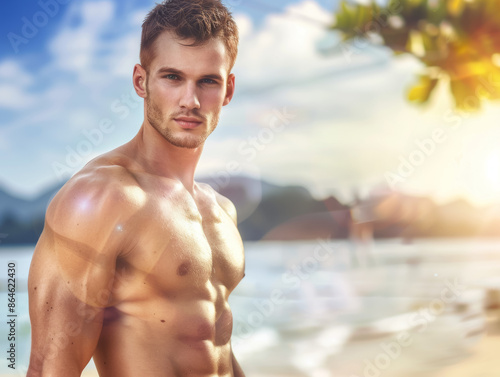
230	209
237	371
71	276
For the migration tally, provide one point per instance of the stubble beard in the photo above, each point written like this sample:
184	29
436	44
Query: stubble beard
157	119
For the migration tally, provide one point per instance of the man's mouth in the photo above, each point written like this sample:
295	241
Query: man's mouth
188	122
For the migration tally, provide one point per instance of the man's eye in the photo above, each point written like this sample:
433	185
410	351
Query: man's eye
171	77
208	81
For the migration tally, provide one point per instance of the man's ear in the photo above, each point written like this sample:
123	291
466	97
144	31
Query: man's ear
229	89
139	80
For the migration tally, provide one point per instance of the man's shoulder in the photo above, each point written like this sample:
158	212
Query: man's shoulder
225	203
96	196
101	179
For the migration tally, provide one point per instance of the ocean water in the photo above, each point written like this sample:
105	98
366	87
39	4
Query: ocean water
336	308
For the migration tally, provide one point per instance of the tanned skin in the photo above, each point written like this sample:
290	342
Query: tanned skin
137	260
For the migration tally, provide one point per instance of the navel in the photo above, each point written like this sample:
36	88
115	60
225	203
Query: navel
111	314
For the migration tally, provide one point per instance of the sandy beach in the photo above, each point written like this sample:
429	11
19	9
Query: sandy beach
484	362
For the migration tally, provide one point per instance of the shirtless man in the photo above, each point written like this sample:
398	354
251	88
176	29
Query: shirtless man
136	261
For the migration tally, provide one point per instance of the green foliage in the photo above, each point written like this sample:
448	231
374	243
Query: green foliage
457	40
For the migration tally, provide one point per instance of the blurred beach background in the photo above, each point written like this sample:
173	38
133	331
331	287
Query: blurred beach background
361	151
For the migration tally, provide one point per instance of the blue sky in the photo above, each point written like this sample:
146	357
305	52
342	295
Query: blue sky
332	122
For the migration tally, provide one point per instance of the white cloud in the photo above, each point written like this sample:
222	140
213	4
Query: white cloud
14	98
245	26
102	47
137	17
11	71
352	120
14	86
124	54
75	48
4	145
284	41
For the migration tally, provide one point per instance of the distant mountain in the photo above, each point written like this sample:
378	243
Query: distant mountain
400	215
21	220
22	209
271	212
265	211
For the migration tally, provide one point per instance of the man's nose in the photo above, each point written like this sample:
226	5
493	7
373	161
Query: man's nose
189	97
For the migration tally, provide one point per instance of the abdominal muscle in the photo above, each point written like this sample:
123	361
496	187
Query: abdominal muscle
188	339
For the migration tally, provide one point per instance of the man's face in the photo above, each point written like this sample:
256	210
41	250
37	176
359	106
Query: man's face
186	88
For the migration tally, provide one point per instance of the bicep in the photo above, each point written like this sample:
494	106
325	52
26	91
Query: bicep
237	370
69	287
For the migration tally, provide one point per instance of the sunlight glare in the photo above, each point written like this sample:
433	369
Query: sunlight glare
492	167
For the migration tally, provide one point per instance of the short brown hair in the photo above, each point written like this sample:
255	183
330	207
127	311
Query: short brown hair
200	20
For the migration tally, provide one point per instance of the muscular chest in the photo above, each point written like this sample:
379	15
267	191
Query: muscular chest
186	246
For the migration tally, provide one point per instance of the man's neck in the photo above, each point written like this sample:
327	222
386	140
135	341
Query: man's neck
160	157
